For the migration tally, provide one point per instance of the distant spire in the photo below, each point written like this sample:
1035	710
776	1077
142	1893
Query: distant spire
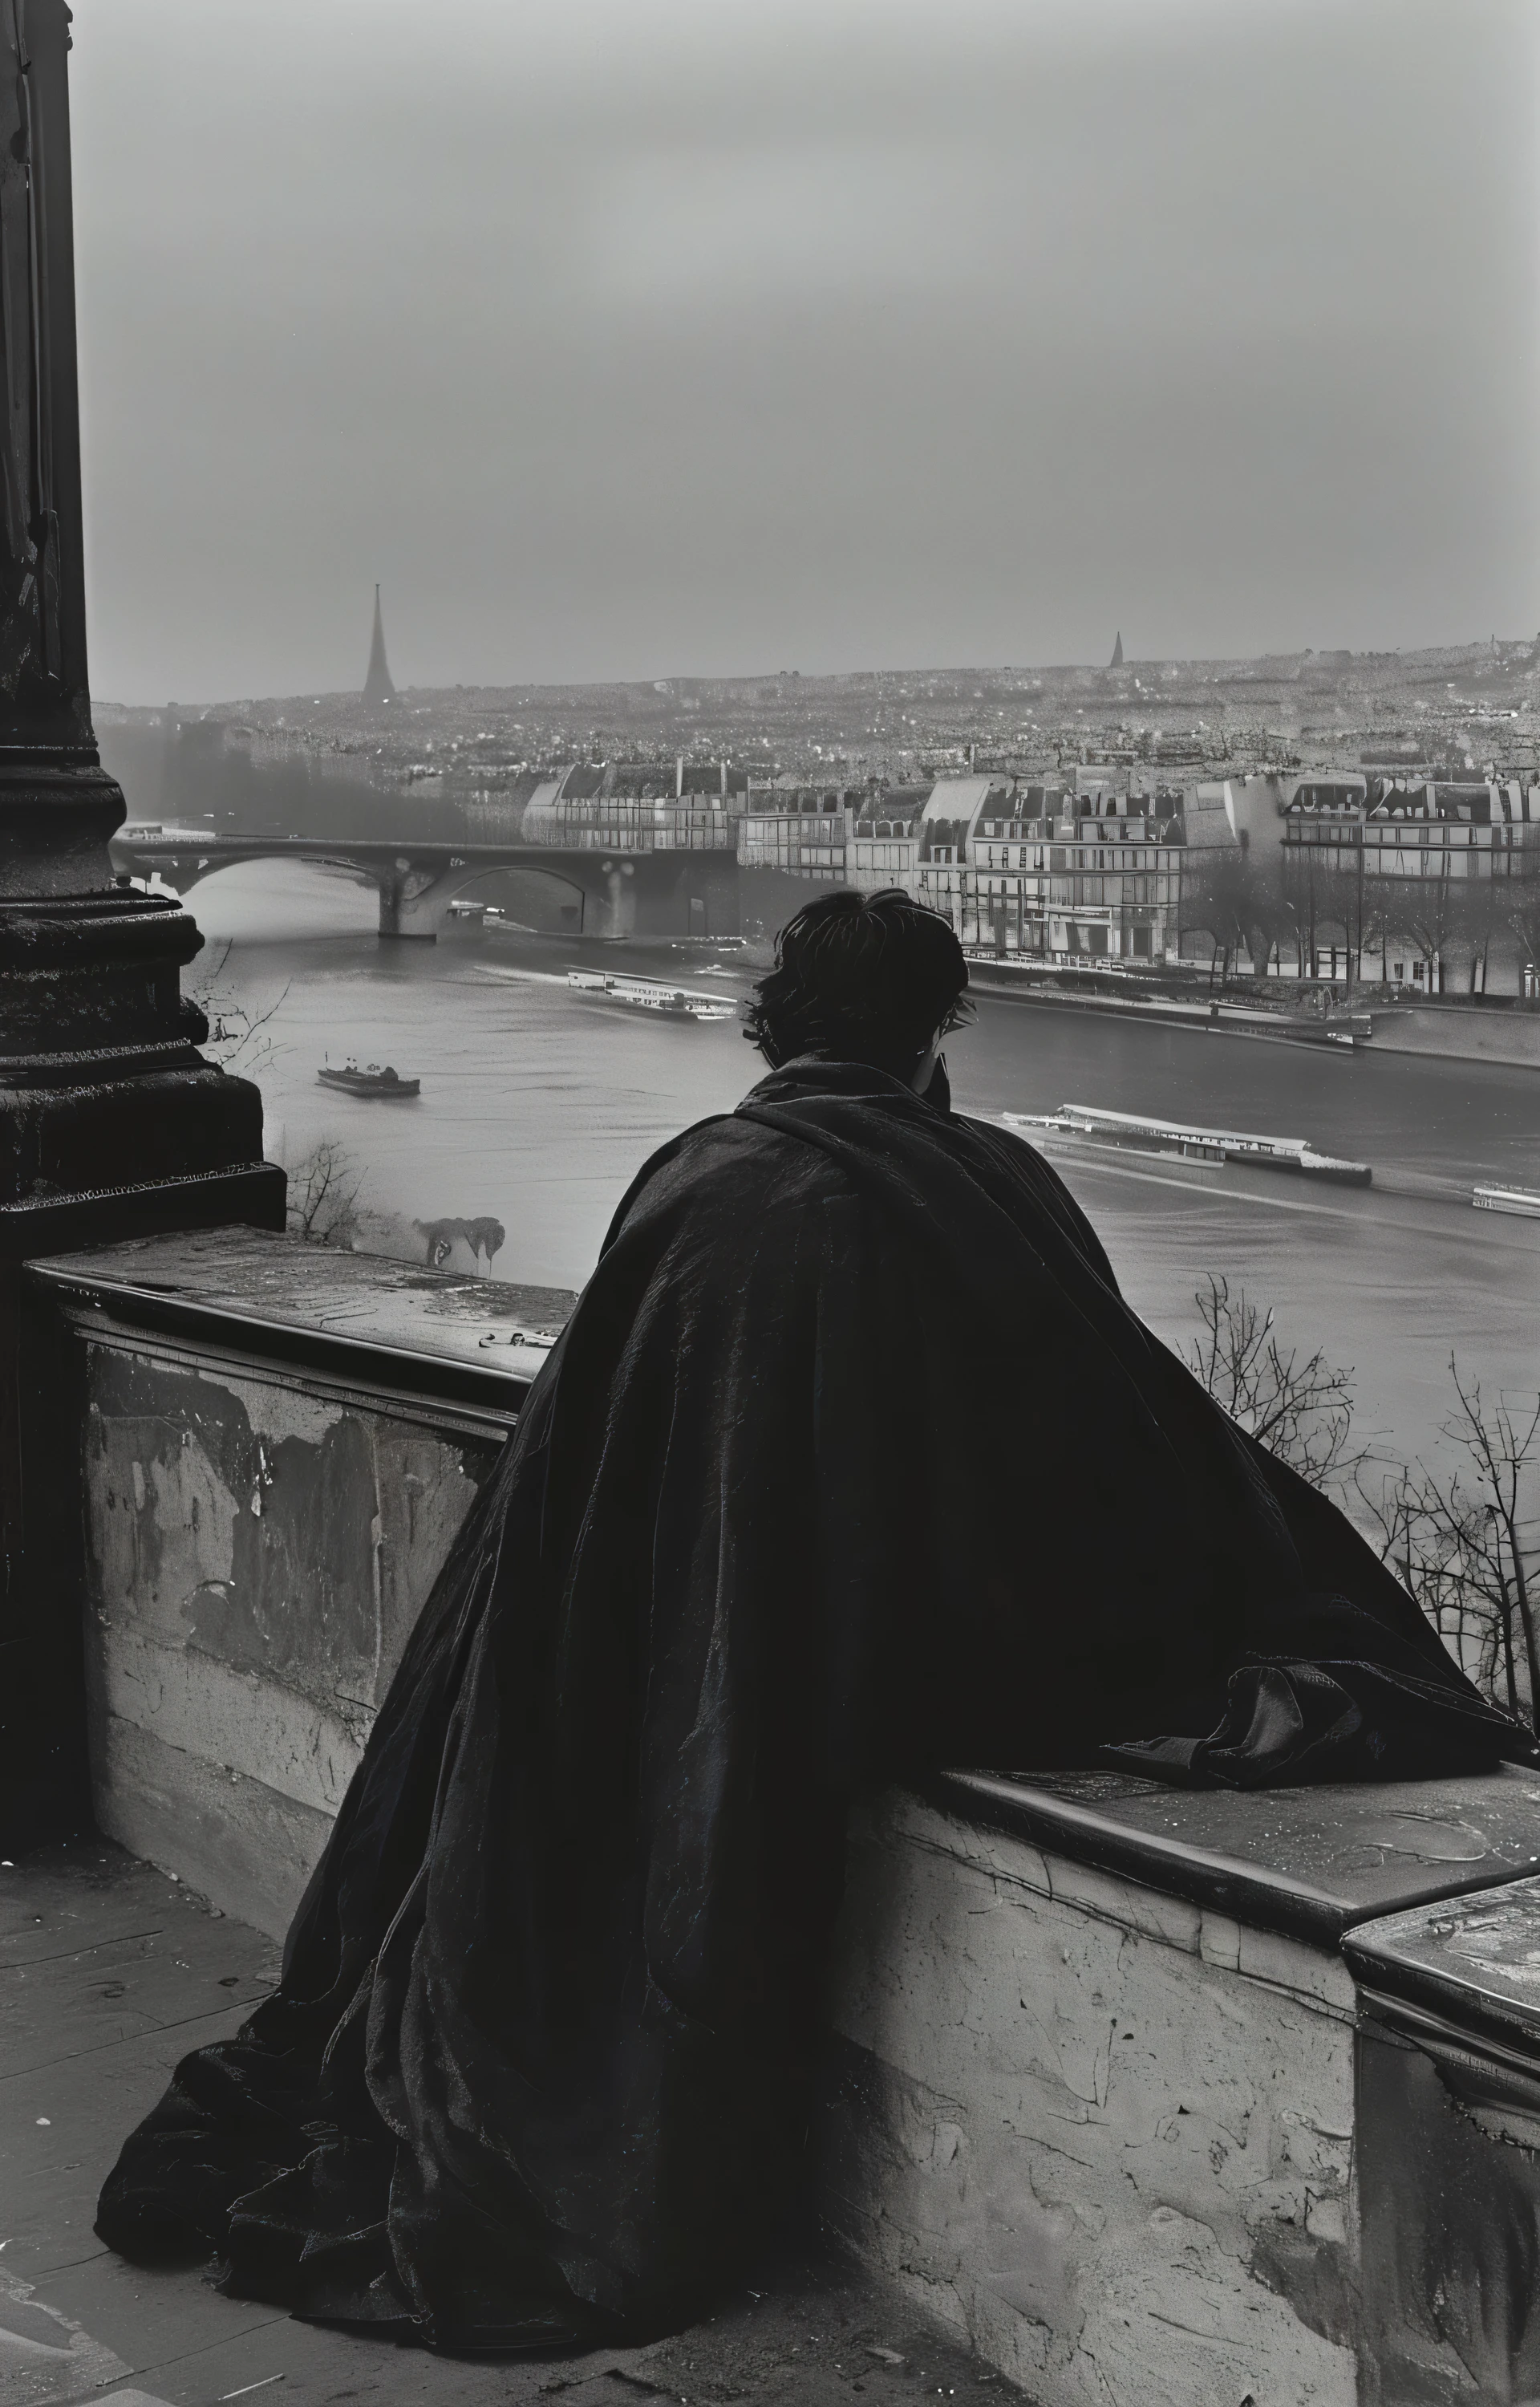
376	685
1117	649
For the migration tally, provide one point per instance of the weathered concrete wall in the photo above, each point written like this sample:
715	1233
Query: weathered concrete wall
257	1554
1450	2163
1107	2134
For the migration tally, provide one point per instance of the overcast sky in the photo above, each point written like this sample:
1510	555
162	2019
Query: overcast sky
623	338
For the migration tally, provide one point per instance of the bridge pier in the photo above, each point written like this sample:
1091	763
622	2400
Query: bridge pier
413	904
612	912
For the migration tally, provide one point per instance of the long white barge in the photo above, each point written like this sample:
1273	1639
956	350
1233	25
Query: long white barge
650	994
1507	1199
1176	1137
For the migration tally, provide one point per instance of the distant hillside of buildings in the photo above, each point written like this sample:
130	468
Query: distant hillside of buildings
1318	814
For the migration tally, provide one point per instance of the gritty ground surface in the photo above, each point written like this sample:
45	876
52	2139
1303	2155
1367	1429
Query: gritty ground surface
109	1972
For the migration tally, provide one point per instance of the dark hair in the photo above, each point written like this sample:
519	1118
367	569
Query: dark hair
860	978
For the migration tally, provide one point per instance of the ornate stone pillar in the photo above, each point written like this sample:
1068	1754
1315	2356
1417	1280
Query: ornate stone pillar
111	1122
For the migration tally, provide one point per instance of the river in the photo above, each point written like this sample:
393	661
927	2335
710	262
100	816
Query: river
539	1104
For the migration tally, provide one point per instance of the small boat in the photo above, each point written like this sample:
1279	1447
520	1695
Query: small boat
647	994
1088	1121
381	1086
1507	1199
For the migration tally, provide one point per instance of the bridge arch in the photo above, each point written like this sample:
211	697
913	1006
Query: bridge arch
415	900
418	879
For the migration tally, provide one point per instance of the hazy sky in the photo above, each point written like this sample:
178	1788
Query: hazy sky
623	338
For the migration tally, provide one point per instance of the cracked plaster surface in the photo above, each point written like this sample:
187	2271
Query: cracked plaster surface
1137	2101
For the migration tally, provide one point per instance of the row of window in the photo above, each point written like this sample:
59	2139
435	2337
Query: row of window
1058	939
648	840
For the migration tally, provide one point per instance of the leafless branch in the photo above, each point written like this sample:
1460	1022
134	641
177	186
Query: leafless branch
1301	1411
1467	1545
237	1036
323	1194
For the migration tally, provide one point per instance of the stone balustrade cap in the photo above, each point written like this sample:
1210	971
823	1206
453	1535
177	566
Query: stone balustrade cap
1310	1862
1458	1968
254	1292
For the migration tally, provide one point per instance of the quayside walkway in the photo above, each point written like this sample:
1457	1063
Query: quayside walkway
109	1972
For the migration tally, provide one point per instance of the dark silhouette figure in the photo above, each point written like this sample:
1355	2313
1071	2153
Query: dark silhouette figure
851	1464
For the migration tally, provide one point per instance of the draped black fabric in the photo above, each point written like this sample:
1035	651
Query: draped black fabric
851	1463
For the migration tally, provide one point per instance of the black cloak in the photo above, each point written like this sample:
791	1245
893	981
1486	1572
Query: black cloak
852	1463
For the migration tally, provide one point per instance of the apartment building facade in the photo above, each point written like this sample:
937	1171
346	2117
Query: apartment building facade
626	808
1433	887
1055	874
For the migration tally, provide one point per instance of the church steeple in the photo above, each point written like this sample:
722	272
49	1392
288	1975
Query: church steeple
1116	662
376	685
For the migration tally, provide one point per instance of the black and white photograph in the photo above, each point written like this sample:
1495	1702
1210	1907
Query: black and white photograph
770	1203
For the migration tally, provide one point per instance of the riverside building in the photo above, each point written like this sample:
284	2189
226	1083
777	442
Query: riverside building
631	808
803	833
1052	874
1433	887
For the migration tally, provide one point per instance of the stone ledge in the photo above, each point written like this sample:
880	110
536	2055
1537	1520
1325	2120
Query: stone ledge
389	1325
1310	1862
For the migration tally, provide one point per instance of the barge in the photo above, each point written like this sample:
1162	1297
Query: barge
373	1083
649	995
1507	1199
1176	1138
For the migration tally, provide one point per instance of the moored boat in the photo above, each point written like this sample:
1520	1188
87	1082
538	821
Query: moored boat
648	994
1507	1199
1132	1133
373	1083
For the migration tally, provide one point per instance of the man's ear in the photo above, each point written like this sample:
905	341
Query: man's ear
925	1069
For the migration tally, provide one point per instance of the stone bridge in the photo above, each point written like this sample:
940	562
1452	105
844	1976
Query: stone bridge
612	893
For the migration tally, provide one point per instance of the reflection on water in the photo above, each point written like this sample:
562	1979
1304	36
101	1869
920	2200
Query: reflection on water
540	1103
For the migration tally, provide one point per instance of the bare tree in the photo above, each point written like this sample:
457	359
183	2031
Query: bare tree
1377	925
1218	896
1302	1412
1269	906
1429	911
1339	903
1483	917
1521	909
323	1194
1301	876
238	1037
1466	1543
1425	1529
1504	1533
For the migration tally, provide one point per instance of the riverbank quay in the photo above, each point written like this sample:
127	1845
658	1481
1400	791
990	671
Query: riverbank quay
1443	1031
1190	1004
1462	1031
1137	2092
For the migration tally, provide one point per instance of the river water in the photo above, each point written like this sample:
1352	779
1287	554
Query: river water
539	1104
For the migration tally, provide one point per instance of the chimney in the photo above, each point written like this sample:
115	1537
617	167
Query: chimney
724	777
678	775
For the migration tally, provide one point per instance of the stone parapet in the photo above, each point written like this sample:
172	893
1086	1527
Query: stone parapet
1147	2093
